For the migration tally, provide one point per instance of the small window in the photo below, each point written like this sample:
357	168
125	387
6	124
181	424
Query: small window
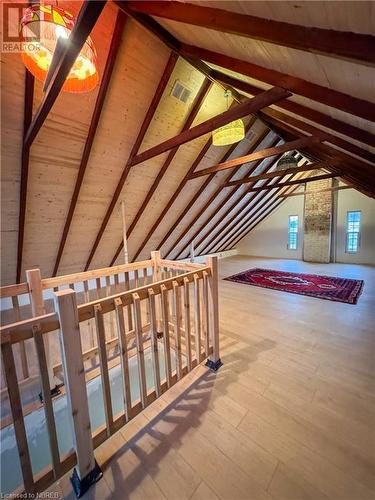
353	226
293	232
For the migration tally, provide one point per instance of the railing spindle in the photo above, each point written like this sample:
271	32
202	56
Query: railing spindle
47	400
140	351
197	318
18	421
154	341
167	350
206	313
187	323
22	350
123	357
100	333
177	327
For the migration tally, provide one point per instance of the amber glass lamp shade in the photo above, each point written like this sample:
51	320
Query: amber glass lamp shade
44	24
229	134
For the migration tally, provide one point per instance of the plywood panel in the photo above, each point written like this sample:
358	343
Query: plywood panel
12	101
139	67
55	157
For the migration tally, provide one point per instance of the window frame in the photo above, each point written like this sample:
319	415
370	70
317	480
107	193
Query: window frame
348	233
293	232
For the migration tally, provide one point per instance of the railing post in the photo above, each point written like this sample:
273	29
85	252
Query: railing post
156	276
34	281
87	471
214	361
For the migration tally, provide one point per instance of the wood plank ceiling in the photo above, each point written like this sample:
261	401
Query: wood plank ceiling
63	177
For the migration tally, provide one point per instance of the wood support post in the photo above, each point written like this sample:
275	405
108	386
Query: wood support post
34	280
156	276
214	361
87	471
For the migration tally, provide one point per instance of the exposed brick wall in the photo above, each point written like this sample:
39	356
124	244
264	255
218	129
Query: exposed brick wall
317	222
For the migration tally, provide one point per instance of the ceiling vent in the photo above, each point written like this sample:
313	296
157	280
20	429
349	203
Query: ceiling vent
180	92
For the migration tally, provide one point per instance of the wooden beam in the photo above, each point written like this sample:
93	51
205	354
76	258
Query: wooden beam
201	96
107	73
211	199
141	134
173	198
194	199
341	44
349	147
311	114
214	229
324	95
246	108
260	155
248	215
25	155
303	193
291	183
277	173
87	17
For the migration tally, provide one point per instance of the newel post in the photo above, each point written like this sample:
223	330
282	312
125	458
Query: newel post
213	361
87	471
34	280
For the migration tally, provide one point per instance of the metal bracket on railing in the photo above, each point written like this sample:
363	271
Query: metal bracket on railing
80	486
214	365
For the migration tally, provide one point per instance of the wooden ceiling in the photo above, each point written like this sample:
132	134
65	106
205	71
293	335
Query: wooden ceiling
300	72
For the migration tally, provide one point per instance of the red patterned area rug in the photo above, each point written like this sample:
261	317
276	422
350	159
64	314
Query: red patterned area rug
313	285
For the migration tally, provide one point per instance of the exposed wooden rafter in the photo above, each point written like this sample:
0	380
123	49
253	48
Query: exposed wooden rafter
141	134
212	198
260	155
202	94
324	95
342	44
25	154
246	108
107	73
311	114
86	20
211	235
271	175
260	203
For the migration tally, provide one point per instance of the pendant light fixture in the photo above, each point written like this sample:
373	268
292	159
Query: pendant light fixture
46	24
231	132
287	161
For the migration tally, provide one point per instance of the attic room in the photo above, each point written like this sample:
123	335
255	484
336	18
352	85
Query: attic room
188	250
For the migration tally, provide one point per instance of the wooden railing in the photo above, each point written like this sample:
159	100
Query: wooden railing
171	308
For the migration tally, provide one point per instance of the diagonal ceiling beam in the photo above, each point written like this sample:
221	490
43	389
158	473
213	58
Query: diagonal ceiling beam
214	230
260	155
349	147
141	134
102	93
342	44
247	214
201	96
324	95
25	154
87	17
311	114
246	108
292	183
192	201
211	199
271	175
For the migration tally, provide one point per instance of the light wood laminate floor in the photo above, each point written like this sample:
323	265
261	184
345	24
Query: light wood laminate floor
289	416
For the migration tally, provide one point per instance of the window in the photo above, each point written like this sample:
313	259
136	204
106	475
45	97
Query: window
353	224
293	232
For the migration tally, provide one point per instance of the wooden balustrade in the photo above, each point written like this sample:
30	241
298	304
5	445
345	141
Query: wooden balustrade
169	308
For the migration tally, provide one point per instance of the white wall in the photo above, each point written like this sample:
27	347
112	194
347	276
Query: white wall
270	238
349	199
